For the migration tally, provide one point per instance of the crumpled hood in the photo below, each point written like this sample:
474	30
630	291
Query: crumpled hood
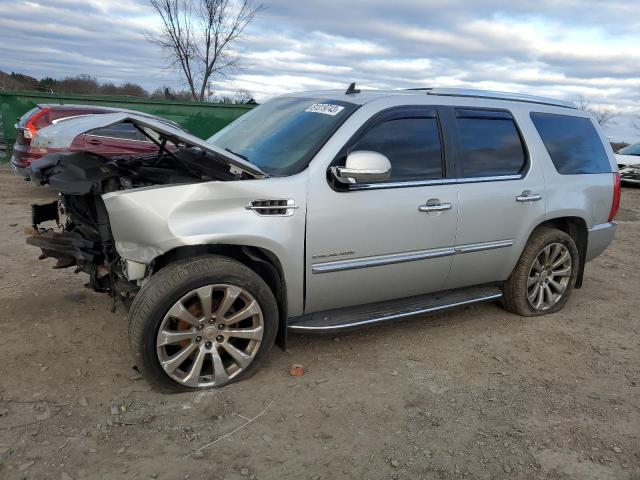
61	135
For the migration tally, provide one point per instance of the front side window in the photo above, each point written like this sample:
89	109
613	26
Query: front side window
489	144
572	142
281	136
412	145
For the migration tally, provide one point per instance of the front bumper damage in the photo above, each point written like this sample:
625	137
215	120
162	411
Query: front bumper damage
75	246
68	247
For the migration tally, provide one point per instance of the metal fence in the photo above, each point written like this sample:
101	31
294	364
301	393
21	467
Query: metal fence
201	119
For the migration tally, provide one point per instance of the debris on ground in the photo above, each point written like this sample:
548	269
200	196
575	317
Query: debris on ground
296	370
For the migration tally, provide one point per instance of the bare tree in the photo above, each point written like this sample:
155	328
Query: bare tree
243	96
198	37
602	115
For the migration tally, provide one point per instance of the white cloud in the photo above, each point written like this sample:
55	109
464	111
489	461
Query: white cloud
544	47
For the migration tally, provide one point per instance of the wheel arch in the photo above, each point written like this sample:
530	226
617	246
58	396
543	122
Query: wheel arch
576	227
262	261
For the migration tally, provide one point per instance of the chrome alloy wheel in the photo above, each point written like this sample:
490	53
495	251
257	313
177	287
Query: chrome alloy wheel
549	276
210	336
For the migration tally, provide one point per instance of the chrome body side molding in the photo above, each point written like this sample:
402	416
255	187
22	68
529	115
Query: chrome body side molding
376	261
479	247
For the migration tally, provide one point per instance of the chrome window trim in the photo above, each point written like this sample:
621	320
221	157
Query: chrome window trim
394	258
423	183
495	178
117	138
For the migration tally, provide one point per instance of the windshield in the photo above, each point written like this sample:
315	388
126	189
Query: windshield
282	135
631	150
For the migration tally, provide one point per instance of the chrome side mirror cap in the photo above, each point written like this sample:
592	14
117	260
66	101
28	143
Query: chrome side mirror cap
363	166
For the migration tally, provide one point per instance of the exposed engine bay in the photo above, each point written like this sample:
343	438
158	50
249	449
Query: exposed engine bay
82	237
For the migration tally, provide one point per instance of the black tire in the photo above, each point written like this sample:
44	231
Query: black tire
515	288
167	286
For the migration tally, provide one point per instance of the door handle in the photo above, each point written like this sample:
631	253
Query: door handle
94	141
528	196
434	205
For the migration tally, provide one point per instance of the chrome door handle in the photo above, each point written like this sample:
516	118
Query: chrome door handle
434	205
528	196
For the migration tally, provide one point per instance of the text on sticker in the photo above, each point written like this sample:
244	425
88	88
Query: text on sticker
325	108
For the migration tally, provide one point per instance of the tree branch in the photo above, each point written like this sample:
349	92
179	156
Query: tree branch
197	36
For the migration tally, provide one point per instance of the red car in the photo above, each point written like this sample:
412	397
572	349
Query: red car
110	141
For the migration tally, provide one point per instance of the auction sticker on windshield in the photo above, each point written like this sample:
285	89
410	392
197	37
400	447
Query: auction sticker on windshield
325	108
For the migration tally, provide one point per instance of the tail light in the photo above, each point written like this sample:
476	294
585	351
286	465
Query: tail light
615	204
35	123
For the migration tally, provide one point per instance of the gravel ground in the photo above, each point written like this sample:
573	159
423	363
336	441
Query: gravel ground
471	393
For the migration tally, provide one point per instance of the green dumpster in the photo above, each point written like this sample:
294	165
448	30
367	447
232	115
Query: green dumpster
201	119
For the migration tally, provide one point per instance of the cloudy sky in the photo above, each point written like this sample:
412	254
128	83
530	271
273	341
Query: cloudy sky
561	49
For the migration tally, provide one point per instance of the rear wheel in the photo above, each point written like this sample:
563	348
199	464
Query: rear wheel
545	275
202	323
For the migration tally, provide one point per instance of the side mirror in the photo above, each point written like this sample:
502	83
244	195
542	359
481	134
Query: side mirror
363	167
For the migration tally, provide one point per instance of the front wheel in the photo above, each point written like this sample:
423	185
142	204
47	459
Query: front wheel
202	323
545	275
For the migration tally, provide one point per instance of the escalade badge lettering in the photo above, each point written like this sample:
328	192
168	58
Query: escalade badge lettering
333	254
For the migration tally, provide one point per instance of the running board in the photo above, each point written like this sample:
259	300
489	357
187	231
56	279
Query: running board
372	313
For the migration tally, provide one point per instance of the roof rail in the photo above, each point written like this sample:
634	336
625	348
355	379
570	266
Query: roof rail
514	97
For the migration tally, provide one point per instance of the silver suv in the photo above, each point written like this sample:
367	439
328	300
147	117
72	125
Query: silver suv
325	211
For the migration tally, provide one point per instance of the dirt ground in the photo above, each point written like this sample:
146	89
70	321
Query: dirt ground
472	393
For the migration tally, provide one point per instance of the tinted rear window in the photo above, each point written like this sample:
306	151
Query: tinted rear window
490	144
573	143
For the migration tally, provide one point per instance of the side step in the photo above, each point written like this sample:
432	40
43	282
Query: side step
372	313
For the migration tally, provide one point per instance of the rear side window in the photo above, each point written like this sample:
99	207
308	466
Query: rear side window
573	143
123	131
412	145
490	144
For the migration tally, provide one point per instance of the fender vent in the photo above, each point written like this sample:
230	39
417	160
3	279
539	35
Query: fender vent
278	208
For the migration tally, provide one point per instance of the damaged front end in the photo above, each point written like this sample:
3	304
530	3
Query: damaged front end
82	236
84	240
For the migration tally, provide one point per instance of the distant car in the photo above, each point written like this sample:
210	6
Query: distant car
628	160
110	141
